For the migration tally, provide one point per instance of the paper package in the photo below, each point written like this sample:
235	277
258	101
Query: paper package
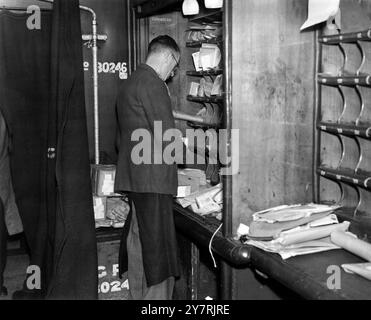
196	61
293	230
117	209
204	33
217	89
271	222
103	180
194	89
192	182
205	202
210	56
361	269
99	207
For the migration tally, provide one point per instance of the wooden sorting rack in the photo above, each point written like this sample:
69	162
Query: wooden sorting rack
349	164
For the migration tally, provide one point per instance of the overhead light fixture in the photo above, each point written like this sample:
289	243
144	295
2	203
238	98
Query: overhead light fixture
190	7
213	4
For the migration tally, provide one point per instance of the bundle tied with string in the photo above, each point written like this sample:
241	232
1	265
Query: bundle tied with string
209	115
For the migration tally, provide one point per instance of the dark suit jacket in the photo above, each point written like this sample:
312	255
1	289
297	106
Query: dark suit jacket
141	101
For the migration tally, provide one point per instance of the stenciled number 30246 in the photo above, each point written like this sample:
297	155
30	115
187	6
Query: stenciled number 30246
111	67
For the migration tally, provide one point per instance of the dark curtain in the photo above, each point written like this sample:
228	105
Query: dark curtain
42	99
75	251
24	99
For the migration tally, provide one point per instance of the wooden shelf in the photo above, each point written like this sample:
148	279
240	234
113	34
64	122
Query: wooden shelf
346	129
209	17
203	126
205	73
197	44
363	80
216	99
352	37
348	176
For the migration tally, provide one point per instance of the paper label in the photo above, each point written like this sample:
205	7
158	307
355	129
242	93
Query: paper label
99	209
98	201
196	61
108	184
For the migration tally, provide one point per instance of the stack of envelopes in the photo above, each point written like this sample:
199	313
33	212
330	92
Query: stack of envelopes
292	230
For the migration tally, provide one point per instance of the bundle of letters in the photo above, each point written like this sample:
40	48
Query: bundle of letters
202	198
207	87
204	33
292	230
110	209
206	202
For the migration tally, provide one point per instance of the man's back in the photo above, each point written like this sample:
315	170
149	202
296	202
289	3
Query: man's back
142	101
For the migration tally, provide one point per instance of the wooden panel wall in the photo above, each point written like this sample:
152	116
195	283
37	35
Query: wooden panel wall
273	95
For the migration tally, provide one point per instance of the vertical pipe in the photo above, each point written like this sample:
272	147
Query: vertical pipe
316	119
95	82
95	77
129	34
135	38
227	179
226	272
96	97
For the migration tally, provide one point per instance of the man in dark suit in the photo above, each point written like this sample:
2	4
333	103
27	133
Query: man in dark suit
148	247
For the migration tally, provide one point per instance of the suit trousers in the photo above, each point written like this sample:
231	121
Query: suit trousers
3	242
138	289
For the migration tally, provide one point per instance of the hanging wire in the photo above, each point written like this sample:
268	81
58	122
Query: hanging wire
210	244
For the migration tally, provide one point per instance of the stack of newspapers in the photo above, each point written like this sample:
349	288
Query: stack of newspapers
292	230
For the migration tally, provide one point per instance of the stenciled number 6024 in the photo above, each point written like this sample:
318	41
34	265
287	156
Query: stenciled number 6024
114	286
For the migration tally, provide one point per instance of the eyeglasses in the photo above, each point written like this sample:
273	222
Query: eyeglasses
176	61
175	69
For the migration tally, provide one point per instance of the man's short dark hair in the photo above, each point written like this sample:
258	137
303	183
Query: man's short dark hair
162	43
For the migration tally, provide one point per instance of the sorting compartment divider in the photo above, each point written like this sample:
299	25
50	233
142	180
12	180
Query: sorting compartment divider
362	80
352	37
346	129
215	99
351	130
205	73
196	44
349	176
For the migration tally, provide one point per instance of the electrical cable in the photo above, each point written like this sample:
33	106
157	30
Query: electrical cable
210	244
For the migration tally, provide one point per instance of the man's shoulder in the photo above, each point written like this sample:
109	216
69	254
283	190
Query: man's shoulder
146	74
142	78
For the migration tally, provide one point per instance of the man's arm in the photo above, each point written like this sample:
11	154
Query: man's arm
157	105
